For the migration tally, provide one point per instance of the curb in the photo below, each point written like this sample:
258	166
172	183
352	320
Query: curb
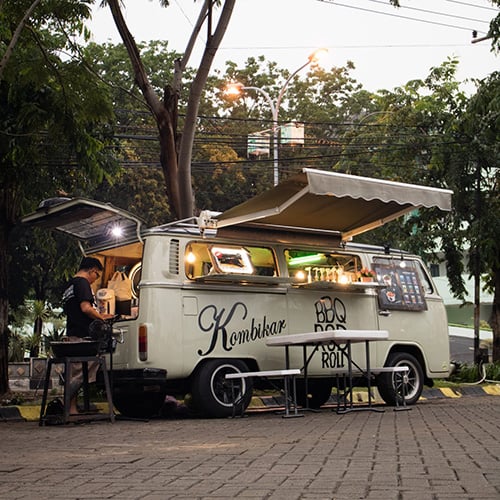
11	414
31	413
427	394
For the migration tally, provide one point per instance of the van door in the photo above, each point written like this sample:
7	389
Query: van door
414	314
412	311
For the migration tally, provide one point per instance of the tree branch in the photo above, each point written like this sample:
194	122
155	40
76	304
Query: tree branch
141	77
186	146
16	35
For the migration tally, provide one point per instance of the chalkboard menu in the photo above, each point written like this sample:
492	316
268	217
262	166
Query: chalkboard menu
400	285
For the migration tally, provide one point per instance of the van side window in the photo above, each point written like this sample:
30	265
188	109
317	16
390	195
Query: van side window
424	279
204	259
197	260
311	265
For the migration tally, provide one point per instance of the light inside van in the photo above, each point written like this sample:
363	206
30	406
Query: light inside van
190	258
301	275
117	231
143	342
306	259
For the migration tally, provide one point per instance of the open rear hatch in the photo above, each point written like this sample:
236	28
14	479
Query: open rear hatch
330	201
96	225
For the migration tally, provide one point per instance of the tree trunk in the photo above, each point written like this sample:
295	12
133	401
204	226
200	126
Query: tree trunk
166	120
4	316
175	157
494	320
9	210
164	113
37	337
187	140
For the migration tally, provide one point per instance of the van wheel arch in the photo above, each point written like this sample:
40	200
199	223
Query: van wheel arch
415	377
211	392
417	354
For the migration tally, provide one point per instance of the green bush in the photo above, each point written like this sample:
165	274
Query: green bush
468	373
493	371
16	347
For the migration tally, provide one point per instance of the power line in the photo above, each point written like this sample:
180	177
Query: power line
416	9
364	9
353	46
473	5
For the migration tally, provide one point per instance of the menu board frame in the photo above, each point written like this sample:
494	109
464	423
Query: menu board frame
400	287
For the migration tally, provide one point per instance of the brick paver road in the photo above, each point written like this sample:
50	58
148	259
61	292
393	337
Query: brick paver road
441	449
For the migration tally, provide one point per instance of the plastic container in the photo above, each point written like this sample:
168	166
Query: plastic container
106	300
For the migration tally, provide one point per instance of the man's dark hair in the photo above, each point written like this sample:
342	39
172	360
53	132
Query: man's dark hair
90	263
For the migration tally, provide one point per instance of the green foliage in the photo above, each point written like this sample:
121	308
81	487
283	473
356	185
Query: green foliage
494	31
54	114
214	184
140	190
111	63
478	177
399	141
26	333
56	334
16	347
471	373
55	123
41	262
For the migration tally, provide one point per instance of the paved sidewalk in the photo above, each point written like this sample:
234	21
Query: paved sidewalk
443	448
32	412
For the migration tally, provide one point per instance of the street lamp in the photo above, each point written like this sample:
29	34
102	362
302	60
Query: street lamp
236	88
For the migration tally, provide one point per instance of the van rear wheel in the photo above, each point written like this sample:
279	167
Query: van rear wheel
211	392
414	379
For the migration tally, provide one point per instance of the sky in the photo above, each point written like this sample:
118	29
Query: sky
388	46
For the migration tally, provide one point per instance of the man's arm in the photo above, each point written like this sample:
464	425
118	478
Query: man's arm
89	310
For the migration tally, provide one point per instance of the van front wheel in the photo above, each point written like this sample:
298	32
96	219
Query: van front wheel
212	393
414	379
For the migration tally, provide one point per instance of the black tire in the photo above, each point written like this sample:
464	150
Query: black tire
211	392
414	379
319	392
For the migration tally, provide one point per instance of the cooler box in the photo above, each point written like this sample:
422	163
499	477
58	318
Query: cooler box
123	307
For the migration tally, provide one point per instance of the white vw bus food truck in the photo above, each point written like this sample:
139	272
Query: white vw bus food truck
208	292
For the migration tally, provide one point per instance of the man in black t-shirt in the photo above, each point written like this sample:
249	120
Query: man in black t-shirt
80	308
78	298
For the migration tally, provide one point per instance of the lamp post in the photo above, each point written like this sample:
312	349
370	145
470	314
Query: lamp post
236	88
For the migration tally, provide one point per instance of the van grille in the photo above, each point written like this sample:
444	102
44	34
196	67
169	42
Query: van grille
173	263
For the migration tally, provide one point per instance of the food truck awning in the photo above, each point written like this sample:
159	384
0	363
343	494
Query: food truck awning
331	201
91	222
